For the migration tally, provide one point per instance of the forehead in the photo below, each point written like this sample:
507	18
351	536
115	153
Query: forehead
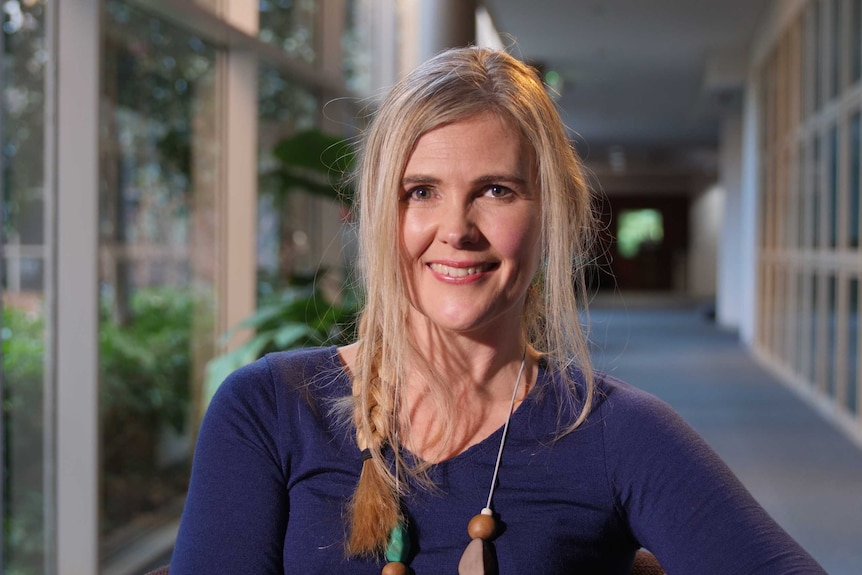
482	141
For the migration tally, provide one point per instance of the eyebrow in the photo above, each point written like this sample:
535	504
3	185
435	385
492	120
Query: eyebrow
487	179
419	179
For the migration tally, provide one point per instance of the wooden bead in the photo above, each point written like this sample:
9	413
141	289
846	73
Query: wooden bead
481	527
479	558
395	568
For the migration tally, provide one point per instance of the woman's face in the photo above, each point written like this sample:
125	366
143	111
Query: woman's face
470	224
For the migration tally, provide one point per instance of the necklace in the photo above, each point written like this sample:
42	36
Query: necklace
479	557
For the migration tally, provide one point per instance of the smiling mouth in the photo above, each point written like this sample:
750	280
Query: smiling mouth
454	272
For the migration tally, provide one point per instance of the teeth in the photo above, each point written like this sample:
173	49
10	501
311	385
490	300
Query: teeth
455	272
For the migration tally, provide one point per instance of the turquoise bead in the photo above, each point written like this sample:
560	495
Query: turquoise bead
398	548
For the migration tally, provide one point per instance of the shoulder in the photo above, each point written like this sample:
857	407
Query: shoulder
618	400
275	398
648	443
680	500
262	388
614	402
638	427
307	367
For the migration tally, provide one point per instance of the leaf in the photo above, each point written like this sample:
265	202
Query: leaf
219	368
316	162
291	334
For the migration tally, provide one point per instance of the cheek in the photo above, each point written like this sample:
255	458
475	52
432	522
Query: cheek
520	241
413	236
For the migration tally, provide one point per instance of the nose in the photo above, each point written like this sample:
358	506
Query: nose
458	226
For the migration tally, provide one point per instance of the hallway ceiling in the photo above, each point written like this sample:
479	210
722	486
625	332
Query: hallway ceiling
640	74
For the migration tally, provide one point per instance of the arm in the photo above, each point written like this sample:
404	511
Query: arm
682	502
235	514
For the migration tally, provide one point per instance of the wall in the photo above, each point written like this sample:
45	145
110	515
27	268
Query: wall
705	216
732	260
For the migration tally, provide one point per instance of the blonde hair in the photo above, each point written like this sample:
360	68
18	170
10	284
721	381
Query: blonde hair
455	85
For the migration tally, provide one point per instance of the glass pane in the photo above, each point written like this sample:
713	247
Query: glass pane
814	214
854	378
211	5
763	202
855	40
791	320
24	254
832	232
801	324
290	25
802	192
778	318
831	350
638	230
817	59
853	203
806	69
285	249
812	335
835	34
356	47
159	233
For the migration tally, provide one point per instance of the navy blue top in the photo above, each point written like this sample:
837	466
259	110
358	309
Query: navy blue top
273	470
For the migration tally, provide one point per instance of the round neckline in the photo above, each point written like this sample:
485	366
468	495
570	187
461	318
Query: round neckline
490	442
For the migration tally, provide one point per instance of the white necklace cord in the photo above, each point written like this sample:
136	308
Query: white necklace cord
505	431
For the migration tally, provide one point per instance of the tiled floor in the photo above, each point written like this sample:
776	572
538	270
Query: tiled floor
804	471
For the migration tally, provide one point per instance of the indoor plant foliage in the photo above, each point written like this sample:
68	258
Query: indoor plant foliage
294	311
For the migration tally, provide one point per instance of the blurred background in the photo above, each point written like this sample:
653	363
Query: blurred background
172	207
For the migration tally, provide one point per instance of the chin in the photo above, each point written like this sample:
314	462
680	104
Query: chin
466	322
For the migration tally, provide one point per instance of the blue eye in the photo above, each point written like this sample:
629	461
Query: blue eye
498	191
419	194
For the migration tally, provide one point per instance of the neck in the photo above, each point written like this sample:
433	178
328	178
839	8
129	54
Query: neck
459	392
466	361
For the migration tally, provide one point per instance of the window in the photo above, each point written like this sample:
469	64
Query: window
816	193
118	174
638	230
855	40
835	48
25	259
821	244
158	240
287	224
290	25
831	321
832	188
853	377
853	166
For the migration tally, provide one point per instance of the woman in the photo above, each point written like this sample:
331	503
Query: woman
468	398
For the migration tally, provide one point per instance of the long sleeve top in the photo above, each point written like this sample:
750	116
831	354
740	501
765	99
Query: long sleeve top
275	467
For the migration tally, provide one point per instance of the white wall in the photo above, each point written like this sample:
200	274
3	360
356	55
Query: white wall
749	214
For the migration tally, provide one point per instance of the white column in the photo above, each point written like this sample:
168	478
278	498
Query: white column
237	285
445	24
730	249
72	91
705	216
749	236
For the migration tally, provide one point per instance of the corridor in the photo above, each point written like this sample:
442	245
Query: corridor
805	472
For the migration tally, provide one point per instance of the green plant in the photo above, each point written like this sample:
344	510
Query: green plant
23	345
145	362
146	378
315	162
296	316
299	317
